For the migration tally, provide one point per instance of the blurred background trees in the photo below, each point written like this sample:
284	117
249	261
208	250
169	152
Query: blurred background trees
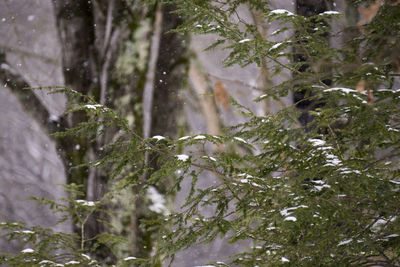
123	55
118	52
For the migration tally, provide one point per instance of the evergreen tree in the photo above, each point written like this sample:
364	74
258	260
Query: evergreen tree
321	194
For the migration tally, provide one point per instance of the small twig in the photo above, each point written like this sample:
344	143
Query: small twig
109	20
148	91
105	67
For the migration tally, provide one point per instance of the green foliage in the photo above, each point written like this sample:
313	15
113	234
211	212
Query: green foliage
323	194
43	246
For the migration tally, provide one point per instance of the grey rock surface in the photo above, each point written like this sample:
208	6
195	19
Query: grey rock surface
29	165
29	38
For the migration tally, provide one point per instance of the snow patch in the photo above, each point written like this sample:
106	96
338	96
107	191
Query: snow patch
377	226
341	89
290	218
245	175
85	256
330	12
392	129
24	232
391	236
244	41
85	202
344	242
321	185
275	32
158	201
210	158
46	261
348	171
318	188
240	140
53	118
93	106
72	262
332	160
281	12
158	137
317	142
27	250
182	157
275	46
129	258
286	212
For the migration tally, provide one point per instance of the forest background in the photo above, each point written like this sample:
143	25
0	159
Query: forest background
165	85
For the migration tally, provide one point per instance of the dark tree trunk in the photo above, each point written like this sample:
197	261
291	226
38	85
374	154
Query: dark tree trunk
75	24
306	8
170	73
171	70
92	37
86	70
